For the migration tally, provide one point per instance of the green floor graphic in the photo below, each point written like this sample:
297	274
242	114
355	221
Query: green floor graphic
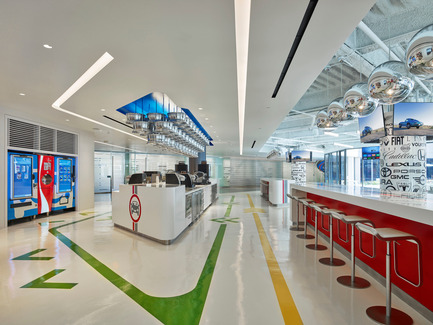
40	282
226	217
184	309
29	257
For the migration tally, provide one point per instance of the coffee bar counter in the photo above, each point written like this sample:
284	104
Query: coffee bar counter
402	211
160	212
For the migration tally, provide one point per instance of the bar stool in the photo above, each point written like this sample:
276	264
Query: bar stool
352	280
387	314
296	199
318	207
306	204
331	261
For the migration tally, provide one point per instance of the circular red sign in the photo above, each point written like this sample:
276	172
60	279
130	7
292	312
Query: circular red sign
135	207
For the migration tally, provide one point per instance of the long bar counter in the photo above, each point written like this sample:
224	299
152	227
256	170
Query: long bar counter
403	212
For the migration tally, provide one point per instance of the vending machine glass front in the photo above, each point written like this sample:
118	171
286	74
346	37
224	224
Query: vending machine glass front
21	176
64	175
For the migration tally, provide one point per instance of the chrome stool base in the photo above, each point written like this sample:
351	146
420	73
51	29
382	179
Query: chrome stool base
316	247
303	236
357	283
296	228
333	262
378	314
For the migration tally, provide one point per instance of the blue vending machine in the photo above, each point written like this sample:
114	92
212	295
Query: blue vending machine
64	183
22	185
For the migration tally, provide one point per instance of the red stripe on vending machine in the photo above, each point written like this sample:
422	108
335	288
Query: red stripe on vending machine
45	183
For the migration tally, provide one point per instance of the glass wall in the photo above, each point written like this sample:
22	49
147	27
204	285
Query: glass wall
335	167
109	168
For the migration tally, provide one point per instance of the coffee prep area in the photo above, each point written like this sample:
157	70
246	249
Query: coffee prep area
161	209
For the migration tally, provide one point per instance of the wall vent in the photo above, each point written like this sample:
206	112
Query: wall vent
30	136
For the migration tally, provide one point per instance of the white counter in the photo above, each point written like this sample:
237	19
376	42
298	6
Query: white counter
414	209
160	212
275	190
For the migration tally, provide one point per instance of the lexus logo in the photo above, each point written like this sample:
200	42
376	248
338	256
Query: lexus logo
385	172
421	154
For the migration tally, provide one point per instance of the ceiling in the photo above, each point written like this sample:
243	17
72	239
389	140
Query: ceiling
394	22
186	49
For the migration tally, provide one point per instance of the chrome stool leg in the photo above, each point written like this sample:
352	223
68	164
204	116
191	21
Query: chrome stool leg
296	228
331	261
305	235
316	246
352	280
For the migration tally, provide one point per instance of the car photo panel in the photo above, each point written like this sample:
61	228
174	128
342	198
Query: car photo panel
372	127
301	155
413	119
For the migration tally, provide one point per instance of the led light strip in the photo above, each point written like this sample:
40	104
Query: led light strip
101	63
242	25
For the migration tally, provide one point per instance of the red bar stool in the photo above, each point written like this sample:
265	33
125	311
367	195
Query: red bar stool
352	280
387	314
296	199
306	204
318	207
331	261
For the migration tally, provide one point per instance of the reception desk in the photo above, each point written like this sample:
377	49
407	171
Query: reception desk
160	212
411	215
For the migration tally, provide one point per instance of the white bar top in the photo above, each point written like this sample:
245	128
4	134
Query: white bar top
418	209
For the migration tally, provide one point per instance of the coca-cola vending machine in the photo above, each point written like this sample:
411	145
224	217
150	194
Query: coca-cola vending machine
45	183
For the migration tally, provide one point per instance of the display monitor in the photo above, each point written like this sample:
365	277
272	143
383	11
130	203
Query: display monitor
301	155
371	153
372	127
413	119
64	175
22	167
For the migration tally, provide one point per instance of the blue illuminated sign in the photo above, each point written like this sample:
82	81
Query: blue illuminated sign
21	177
64	175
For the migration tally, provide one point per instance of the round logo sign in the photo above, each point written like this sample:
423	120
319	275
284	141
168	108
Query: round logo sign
135	208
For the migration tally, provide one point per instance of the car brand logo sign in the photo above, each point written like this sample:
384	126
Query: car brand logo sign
421	154
385	172
135	208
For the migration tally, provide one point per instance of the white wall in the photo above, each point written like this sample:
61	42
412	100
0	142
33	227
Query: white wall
85	159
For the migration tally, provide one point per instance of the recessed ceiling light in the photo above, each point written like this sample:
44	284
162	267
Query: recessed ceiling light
200	108
211	126
48	46
206	118
22	94
102	109
67	120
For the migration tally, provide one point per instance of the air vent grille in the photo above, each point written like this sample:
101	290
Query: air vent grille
25	135
66	142
47	139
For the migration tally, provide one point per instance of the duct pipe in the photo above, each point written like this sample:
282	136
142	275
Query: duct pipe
362	26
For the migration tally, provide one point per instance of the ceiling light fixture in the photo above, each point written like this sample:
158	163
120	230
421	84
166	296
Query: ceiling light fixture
206	119
102	109
85	78
48	46
22	94
342	145
331	134
200	108
242	25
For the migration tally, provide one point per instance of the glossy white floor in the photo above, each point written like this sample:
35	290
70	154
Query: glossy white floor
241	290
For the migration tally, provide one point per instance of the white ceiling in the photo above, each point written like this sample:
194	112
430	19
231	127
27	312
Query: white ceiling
185	49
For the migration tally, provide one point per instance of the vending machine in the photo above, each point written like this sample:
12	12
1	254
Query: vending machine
64	183
45	183
22	185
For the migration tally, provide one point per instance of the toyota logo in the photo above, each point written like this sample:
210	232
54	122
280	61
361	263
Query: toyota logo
385	172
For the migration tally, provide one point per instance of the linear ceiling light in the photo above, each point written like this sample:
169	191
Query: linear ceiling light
342	145
242	25
101	63
307	16
331	134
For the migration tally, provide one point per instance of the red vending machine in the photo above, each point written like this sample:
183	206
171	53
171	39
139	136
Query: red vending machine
45	183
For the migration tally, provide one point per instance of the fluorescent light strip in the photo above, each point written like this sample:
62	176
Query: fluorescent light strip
116	146
101	63
331	134
242	25
342	145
